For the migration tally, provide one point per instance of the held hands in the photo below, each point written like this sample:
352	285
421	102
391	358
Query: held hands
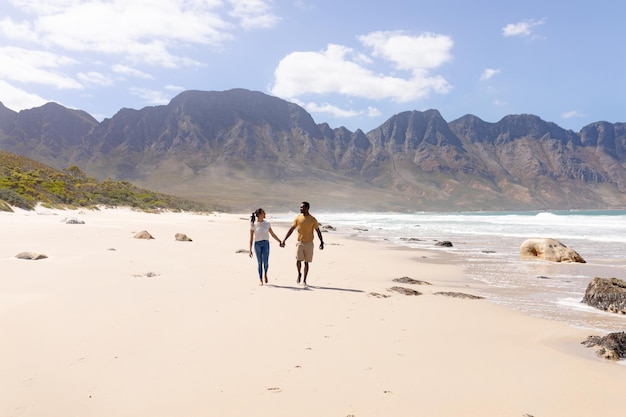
251	253
282	245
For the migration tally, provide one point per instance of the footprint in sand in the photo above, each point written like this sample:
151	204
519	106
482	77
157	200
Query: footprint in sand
20	411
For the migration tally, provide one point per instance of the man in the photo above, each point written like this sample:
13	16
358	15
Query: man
306	224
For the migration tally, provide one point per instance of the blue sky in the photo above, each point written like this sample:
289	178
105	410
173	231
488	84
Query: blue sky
349	63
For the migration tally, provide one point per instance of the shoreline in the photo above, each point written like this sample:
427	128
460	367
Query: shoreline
533	287
112	325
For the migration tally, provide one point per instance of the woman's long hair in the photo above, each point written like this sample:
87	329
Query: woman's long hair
255	214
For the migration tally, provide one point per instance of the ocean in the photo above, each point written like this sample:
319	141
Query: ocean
486	245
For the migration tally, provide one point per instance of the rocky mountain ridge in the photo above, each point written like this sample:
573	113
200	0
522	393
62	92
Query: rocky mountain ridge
244	149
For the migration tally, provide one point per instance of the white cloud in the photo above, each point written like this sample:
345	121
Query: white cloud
174	88
44	7
337	111
17	99
342	70
139	31
412	53
18	30
572	114
154	97
36	67
131	72
522	29
373	112
95	78
488	73
147	31
61	43
253	14
329	109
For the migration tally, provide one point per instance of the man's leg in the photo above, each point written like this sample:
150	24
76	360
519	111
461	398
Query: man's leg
306	271
299	266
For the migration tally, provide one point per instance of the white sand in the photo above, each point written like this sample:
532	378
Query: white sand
113	326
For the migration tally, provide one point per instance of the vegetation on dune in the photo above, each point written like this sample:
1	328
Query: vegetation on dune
24	183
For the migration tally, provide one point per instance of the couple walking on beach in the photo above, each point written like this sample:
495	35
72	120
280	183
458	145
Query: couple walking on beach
260	231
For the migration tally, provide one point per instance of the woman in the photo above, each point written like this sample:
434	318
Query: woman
260	232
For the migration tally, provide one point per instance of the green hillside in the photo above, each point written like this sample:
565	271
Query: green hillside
24	183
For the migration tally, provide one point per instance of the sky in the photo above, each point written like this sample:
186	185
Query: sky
349	63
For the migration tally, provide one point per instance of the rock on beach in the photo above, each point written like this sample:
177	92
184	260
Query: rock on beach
608	294
33	256
611	346
143	235
548	249
181	237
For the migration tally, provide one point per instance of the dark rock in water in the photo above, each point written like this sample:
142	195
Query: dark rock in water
608	294
459	295
444	243
405	291
611	346
407	280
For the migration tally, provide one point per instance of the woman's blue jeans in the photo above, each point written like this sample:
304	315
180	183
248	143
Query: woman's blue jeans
262	250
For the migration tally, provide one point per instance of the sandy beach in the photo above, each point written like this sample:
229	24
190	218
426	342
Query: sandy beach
112	326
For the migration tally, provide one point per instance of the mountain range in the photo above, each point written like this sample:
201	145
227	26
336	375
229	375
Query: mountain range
242	149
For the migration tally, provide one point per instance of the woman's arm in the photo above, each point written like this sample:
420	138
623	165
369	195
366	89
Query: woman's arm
251	240
274	236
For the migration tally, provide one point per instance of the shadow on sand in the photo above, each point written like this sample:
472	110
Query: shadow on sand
312	287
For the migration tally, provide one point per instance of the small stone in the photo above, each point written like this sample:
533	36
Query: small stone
30	256
405	291
407	280
459	295
181	237
143	235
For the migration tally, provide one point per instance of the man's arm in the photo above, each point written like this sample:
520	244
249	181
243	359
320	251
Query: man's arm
319	234
289	232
